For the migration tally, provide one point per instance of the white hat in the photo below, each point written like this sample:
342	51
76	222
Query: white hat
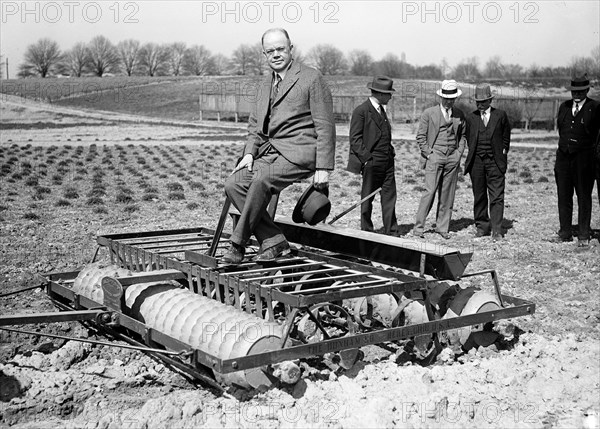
449	89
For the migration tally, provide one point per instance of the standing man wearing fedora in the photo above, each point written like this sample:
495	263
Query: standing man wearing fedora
442	139
291	136
488	138
578	122
372	154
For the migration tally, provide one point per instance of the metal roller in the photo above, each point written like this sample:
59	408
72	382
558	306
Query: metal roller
87	283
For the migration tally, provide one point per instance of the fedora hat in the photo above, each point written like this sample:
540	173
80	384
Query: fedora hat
381	84
579	83
483	92
312	207
449	89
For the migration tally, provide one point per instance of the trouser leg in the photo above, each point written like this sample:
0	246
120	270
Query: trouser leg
433	171
495	188
250	193
583	173
388	198
480	197
564	188
447	190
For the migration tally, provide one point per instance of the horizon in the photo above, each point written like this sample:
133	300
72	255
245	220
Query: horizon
547	25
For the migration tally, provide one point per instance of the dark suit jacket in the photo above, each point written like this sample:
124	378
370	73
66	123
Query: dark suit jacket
366	128
500	127
301	125
429	128
590	115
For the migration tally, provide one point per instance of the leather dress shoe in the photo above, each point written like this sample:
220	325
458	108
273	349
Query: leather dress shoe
561	239
583	243
234	255
418	234
481	233
444	235
496	236
274	252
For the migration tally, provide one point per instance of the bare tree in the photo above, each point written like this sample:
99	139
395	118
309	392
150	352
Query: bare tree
596	62
494	68
298	55
390	65
580	65
467	69
430	71
41	58
328	59
153	57
129	55
2	63
221	65
197	60
445	67
258	63
176	52
361	62
242	60
102	56
77	59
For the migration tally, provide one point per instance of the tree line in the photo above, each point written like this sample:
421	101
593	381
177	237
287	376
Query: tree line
100	57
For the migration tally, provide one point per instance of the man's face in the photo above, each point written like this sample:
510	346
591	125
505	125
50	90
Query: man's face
482	106
277	51
447	103
579	95
382	97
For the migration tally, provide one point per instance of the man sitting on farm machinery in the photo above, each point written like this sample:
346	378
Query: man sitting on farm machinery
291	136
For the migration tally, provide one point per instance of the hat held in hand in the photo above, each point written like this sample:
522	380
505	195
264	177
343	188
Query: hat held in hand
312	207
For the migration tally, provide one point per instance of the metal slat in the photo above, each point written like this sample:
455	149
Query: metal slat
316	280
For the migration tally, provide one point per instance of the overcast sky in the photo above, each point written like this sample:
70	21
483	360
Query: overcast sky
523	32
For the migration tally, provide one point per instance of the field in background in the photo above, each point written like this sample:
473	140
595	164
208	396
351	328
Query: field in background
191	98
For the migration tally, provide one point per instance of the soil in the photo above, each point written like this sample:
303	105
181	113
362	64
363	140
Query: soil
543	371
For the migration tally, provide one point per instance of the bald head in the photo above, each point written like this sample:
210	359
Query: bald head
276	30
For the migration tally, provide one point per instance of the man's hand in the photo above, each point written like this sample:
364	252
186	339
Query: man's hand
247	161
321	180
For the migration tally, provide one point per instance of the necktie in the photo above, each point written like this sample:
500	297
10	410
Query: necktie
275	87
447	115
576	109
484	118
382	112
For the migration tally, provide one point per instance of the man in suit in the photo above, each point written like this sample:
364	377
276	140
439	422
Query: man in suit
372	154
442	139
488	138
291	137
578	122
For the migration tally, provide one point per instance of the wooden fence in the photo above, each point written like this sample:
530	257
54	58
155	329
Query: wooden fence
401	109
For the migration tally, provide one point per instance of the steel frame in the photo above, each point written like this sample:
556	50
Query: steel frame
276	290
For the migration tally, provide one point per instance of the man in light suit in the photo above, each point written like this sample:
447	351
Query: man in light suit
488	138
291	137
442	139
372	154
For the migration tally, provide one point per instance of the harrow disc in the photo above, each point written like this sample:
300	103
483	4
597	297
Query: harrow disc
476	302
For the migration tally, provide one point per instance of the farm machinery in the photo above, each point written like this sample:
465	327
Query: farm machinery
168	294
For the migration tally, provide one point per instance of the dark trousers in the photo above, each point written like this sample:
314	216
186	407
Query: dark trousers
250	193
488	189
574	172
379	171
